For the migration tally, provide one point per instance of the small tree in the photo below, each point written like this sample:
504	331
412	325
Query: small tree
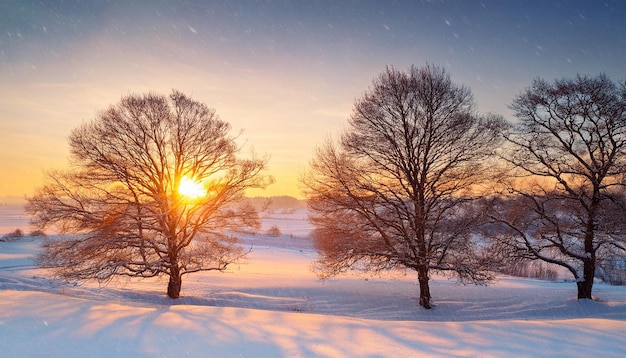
274	231
568	152
152	190
396	191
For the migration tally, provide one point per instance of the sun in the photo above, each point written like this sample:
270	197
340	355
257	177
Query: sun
191	189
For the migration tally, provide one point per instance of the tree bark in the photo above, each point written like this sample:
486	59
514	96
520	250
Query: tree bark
422	278
589	263
585	286
175	283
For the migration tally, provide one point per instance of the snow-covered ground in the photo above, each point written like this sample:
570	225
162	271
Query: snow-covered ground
273	305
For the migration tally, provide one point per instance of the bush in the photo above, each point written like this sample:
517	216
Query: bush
13	235
274	231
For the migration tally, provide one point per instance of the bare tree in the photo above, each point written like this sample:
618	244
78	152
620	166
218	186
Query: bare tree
396	190
566	204
123	199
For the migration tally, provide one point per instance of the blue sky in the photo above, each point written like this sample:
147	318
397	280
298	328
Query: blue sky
285	72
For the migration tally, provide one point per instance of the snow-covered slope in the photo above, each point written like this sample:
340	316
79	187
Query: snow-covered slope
274	306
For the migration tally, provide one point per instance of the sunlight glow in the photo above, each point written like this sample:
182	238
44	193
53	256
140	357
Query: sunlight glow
191	189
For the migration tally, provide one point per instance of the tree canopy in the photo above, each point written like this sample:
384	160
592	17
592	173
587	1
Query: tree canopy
122	194
396	189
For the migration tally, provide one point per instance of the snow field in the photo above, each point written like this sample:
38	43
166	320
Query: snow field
273	305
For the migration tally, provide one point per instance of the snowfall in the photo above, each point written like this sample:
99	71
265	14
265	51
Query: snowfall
273	305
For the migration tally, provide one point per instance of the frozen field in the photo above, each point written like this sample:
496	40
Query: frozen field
274	306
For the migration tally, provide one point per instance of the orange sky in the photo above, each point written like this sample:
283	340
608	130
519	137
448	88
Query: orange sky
281	117
286	73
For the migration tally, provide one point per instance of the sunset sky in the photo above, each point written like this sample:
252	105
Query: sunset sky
285	72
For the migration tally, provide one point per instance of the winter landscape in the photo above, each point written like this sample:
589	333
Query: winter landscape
273	305
480	140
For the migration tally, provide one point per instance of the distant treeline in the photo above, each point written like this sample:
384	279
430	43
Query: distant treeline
282	202
12	201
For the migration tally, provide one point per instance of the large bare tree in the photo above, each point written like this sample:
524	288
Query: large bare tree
396	190
153	189
566	197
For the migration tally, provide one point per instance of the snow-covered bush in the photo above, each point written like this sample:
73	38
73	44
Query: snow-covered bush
13	235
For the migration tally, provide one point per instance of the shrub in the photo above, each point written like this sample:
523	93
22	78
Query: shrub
274	231
13	235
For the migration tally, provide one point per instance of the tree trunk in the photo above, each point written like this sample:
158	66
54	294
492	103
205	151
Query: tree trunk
585	286
422	278
589	262
175	283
